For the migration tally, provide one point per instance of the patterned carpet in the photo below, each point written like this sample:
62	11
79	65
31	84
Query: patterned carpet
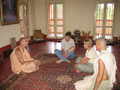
50	76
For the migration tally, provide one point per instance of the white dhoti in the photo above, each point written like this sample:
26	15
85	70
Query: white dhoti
89	82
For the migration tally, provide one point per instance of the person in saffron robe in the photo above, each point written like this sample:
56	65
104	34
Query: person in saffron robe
21	61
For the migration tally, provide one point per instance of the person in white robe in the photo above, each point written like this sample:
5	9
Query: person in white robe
104	71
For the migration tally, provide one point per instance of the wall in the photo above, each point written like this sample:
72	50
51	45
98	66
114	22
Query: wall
40	15
31	18
79	14
7	32
117	20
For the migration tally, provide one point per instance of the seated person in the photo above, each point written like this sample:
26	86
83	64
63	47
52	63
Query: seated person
86	63
21	60
68	47
105	68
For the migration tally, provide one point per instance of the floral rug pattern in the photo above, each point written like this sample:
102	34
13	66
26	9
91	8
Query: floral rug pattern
50	76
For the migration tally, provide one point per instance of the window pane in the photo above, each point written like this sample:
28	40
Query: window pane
99	22
59	14
108	33
99	14
109	22
59	31
51	14
109	14
98	32
51	31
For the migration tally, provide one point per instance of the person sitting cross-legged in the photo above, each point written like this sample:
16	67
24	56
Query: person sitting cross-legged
85	63
68	47
105	68
21	61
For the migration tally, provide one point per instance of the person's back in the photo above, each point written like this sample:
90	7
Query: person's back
105	71
109	62
105	75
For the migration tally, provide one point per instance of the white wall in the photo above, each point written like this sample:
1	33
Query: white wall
31	18
117	20
79	14
7	32
40	15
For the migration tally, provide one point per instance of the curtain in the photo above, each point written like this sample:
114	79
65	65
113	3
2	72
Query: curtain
23	17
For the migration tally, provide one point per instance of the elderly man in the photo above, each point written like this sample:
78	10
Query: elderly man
21	60
68	47
104	71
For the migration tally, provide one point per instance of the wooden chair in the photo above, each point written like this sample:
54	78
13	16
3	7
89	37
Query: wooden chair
13	43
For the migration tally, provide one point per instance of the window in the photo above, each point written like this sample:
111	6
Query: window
104	20
55	20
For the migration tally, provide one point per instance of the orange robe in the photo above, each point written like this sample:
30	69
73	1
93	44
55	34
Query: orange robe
17	67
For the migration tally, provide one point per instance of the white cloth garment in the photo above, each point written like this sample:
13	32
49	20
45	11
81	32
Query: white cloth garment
110	64
66	45
92	54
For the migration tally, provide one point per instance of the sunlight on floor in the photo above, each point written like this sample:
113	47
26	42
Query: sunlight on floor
58	46
109	48
54	46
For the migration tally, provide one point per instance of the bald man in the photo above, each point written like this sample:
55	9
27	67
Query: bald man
104	71
21	61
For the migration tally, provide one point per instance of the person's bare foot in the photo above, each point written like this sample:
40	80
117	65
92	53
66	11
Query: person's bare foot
59	61
75	66
78	71
37	62
68	61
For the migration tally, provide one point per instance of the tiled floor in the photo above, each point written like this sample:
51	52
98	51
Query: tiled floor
48	47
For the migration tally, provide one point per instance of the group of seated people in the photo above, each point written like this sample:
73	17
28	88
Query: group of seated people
103	66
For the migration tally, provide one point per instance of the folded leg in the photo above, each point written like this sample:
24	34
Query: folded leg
87	67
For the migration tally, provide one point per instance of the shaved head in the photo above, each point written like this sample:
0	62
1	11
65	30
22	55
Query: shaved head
102	41
101	44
